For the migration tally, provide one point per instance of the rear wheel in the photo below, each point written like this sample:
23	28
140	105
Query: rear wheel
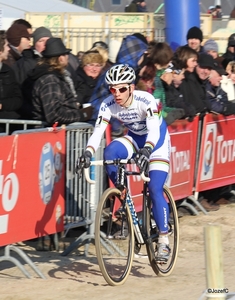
163	269
114	237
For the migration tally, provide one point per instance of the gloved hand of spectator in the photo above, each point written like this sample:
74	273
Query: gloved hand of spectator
228	109
86	113
83	161
142	159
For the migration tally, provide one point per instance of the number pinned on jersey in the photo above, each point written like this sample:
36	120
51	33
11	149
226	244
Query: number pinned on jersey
150	113
98	121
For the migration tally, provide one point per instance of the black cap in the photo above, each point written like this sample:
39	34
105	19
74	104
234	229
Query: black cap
219	69
206	61
55	47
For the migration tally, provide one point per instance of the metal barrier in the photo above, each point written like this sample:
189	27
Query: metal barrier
12	125
81	197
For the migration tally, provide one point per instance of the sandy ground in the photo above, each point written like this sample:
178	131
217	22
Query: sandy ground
77	277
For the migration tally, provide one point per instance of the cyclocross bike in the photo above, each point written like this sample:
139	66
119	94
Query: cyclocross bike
119	233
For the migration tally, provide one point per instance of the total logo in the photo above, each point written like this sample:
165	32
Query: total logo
209	152
9	193
50	170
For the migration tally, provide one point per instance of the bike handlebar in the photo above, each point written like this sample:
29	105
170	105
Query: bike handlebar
111	162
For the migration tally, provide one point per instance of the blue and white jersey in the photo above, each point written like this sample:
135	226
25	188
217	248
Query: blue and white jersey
142	117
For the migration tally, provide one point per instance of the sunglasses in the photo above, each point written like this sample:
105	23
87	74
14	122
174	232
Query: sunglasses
121	90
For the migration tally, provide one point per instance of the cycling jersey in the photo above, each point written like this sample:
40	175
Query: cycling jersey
142	117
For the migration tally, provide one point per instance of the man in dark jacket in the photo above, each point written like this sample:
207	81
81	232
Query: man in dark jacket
216	95
193	86
54	97
10	95
195	38
18	38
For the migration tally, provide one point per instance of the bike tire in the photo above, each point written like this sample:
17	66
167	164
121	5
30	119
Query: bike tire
164	269
114	247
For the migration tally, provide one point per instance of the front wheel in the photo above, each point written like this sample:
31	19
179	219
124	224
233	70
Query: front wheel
163	269
114	237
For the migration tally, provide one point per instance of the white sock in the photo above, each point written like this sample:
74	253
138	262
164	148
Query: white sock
163	239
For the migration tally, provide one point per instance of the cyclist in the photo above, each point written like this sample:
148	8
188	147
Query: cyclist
147	137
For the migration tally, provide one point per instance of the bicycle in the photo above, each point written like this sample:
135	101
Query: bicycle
118	230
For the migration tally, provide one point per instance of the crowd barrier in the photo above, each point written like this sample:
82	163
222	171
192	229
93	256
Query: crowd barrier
37	173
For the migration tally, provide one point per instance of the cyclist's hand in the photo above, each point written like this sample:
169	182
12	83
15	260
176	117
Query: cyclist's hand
142	159
83	161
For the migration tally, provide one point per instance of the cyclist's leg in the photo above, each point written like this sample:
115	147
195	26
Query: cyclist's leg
123	148
158	171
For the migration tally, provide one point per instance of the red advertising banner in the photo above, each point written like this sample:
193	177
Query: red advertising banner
183	153
31	185
217	153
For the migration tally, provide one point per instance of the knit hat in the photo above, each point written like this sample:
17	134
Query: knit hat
92	57
15	33
195	33
211	45
231	40
39	33
114	47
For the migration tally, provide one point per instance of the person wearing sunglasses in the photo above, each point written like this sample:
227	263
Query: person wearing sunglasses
147	140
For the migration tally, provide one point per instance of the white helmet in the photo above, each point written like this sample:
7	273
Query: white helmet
120	74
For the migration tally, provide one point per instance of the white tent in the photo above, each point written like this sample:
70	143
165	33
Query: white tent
15	9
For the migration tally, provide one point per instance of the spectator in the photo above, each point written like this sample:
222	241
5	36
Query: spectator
79	56
211	47
184	61
10	95
218	12
105	56
54	97
25	23
161	58
147	76
229	55
19	40
141	6
195	38
132	7
193	86
216	95
228	82
31	56
89	71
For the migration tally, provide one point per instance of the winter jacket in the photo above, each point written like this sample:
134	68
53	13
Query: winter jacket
194	92
88	81
52	98
13	56
217	97
10	94
25	64
227	57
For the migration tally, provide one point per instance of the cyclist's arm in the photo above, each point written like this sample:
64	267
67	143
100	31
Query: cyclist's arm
153	124
102	122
